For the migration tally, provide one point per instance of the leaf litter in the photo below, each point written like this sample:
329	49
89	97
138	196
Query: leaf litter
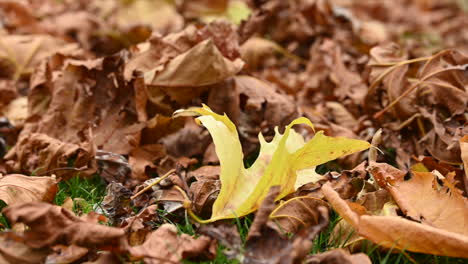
301	108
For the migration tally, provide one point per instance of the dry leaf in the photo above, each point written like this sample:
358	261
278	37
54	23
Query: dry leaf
50	225
265	245
39	153
22	52
16	188
422	199
336	256
398	232
464	156
13	251
164	245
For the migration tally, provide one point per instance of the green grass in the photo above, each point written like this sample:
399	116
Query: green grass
86	193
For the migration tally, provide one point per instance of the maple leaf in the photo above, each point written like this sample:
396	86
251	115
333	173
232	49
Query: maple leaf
280	162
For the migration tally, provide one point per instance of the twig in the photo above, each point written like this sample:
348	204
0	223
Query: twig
152	184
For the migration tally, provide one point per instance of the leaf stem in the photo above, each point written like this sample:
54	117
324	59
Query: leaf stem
153	184
188	206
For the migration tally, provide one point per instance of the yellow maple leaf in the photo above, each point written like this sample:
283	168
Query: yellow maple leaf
281	162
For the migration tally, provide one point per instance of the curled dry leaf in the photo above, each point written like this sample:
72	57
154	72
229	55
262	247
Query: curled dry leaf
50	225
165	246
16	188
422	199
336	256
278	162
464	156
20	53
39	153
296	213
13	251
266	245
139	226
160	15
170	65
398	232
116	203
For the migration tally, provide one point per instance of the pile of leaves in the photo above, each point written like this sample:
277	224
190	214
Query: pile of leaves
253	131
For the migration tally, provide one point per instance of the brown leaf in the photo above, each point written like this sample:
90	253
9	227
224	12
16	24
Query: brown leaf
139	226
170	64
39	153
66	254
112	167
204	193
338	256
22	52
16	188
397	232
165	246
184	72
143	158
13	251
116	203
385	173
88	101
296	213
50	225
422	199
464	156
265	245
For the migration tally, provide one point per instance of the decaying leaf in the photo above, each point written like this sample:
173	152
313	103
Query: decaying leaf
336	256
164	245
39	153
22	52
464	156
266	245
13	251
277	164
51	225
16	188
398	232
422	199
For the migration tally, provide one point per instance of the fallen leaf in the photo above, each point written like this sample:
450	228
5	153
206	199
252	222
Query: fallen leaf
139	226
464	156
116	203
50	225
336	256
39	154
398	232
164	245
16	188
13	251
23	52
265	245
66	254
422	199
112	167
277	164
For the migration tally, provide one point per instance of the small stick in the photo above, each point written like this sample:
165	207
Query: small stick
153	184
